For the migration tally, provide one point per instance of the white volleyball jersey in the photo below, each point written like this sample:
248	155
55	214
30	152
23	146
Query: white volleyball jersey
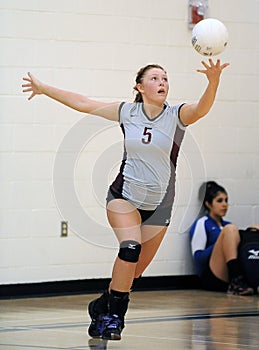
151	146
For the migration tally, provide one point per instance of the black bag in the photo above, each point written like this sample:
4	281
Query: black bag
249	255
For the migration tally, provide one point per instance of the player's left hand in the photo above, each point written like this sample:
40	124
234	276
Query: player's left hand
212	70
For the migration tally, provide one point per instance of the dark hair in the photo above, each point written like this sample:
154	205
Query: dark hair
210	191
139	77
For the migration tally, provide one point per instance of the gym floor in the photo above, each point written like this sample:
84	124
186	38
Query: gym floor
175	319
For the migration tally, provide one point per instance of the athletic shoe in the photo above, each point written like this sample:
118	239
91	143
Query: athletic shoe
113	323
113	328
240	287
97	310
97	344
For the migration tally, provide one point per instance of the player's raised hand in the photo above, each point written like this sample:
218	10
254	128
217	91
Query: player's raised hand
32	85
212	70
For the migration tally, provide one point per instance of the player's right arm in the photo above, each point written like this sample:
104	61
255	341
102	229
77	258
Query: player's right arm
73	100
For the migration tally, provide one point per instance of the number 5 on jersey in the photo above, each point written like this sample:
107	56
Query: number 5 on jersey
148	135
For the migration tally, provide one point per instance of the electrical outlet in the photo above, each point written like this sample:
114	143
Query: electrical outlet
64	229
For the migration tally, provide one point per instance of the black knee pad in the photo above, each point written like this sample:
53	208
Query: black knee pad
129	251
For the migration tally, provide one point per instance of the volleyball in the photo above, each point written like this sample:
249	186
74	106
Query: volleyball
209	37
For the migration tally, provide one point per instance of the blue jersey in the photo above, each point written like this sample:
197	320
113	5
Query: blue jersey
204	234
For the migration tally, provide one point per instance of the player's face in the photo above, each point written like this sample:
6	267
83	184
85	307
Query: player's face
219	206
154	86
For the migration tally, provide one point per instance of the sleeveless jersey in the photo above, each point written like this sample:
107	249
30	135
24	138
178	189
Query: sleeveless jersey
151	146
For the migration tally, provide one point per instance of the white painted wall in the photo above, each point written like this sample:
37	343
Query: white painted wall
56	164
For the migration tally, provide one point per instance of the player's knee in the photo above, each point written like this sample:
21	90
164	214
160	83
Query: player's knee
129	251
230	229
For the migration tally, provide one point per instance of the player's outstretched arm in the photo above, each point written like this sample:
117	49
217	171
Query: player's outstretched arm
190	113
73	100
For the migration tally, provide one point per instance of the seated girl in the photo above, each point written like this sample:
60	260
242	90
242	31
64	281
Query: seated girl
214	244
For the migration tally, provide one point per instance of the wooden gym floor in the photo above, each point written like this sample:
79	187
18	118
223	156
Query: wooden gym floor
161	320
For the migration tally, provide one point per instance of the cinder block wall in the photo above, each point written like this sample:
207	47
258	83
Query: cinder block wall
56	164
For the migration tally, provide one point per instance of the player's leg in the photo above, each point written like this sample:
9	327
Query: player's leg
224	260
152	237
125	221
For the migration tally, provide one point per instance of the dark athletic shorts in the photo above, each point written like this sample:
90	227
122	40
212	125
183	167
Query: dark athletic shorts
158	217
211	282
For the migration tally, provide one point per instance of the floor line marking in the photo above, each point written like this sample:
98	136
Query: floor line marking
134	320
